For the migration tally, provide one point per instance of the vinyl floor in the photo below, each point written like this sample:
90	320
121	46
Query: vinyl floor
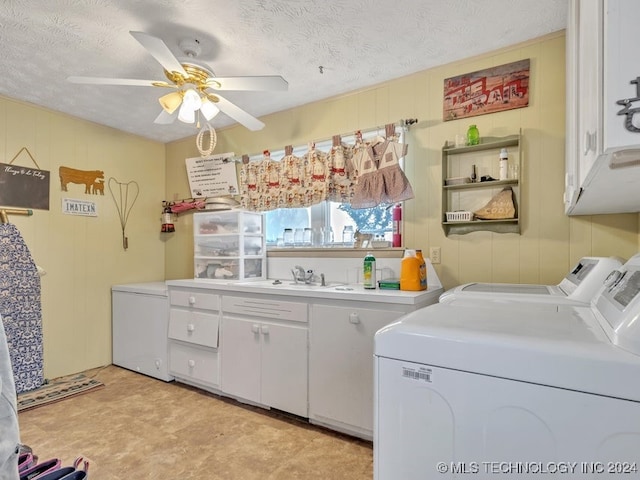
137	427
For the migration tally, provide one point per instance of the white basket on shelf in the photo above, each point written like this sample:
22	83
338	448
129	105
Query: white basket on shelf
459	216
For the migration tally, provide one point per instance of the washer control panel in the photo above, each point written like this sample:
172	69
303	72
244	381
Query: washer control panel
618	306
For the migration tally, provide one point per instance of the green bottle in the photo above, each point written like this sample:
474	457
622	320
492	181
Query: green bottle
369	271
473	136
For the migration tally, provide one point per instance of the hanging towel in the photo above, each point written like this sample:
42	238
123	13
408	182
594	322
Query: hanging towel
380	178
396	185
20	309
341	172
293	181
316	175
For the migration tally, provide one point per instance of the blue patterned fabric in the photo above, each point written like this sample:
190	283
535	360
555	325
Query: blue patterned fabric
20	309
9	431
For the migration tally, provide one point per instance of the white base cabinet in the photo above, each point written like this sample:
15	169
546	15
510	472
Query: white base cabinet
194	322
341	366
265	353
295	351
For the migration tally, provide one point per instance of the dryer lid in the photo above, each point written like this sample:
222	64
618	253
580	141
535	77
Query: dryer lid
515	288
566	349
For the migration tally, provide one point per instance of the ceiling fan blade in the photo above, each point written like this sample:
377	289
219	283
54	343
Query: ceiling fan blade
159	50
166	118
238	114
259	83
118	81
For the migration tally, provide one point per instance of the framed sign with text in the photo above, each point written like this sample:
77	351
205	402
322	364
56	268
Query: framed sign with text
212	176
486	91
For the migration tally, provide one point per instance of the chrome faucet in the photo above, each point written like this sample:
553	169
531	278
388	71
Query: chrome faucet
300	275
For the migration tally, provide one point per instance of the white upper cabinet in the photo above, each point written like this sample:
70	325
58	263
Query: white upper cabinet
603	136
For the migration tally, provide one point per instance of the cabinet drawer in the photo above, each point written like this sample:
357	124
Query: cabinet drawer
194	299
194	363
276	310
194	327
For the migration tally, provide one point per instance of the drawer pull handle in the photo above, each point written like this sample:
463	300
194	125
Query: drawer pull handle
192	300
265	329
354	318
191	327
191	363
255	328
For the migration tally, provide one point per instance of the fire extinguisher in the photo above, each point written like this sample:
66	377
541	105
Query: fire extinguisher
167	222
396	217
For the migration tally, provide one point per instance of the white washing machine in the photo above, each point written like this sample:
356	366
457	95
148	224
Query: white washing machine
578	287
462	390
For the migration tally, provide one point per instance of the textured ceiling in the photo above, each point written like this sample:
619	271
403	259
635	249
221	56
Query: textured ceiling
358	42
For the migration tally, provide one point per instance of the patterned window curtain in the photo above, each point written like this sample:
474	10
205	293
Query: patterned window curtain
364	175
20	309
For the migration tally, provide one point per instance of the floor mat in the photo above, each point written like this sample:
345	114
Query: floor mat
56	390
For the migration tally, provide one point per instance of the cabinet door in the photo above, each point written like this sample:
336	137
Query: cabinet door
240	358
341	363
622	65
588	84
284	367
140	333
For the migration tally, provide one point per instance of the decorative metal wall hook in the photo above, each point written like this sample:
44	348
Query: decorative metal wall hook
628	111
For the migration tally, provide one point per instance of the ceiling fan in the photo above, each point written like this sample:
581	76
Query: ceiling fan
196	88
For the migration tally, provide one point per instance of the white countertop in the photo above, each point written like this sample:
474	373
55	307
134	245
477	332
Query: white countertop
150	288
353	292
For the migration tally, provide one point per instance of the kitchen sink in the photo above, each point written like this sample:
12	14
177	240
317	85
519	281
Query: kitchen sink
315	284
287	284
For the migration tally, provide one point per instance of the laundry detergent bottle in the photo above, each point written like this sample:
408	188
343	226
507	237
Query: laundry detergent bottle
423	270
410	271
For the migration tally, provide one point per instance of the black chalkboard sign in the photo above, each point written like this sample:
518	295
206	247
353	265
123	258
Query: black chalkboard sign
24	187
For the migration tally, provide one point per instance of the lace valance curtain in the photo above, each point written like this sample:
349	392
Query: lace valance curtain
364	175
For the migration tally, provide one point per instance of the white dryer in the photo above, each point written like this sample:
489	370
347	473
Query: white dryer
578	287
464	390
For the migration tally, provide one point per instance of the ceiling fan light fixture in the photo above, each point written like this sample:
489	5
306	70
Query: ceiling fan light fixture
209	109
171	101
186	114
191	99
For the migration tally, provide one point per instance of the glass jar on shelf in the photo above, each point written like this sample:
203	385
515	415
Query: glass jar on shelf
328	237
287	237
307	237
348	236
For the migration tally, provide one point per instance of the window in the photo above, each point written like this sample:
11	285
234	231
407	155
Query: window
326	220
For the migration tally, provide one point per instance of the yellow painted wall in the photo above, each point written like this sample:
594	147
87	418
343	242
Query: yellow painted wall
550	242
83	256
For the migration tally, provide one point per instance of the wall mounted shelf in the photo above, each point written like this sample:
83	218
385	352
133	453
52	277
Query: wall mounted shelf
470	196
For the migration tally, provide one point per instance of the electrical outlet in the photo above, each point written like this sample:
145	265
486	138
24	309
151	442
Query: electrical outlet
434	255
